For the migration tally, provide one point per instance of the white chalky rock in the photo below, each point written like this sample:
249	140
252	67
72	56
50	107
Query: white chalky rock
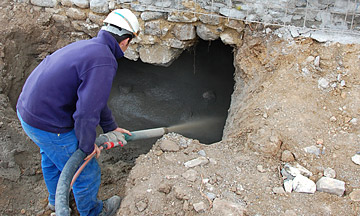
312	150
317	61
291	171
330	185
303	170
288	185
356	159
323	83
196	162
302	184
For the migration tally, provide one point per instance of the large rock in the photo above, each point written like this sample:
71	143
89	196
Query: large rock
131	53
182	17
95	18
44	3
99	6
206	33
76	14
302	184
330	185
184	31
67	3
209	19
153	28
232	13
81	3
147	16
158	55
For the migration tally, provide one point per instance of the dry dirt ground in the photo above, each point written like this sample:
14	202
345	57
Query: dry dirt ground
278	104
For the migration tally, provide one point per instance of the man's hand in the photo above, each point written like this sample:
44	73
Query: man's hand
121	130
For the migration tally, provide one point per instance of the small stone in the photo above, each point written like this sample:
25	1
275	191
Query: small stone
354	121
202	153
23	211
317	61
199	207
186	206
330	185
355	195
310	59
356	159
342	83
141	205
287	156
323	83
278	190
211	196
333	119
164	188
169	146
328	172
312	150
196	162
181	192
260	168
320	141
158	153
190	175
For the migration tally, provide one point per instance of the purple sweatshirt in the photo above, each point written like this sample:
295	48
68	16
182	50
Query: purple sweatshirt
69	90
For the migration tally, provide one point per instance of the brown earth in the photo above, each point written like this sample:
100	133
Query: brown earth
277	105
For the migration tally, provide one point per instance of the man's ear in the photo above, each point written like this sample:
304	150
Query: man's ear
124	42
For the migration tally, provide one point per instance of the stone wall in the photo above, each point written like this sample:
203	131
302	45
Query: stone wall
170	26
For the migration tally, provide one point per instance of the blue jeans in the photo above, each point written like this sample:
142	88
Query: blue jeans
55	150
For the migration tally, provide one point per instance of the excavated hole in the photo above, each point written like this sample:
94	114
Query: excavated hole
196	87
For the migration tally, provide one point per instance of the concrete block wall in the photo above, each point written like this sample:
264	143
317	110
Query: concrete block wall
336	15
170	26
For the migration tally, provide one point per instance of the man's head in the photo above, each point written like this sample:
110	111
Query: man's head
123	25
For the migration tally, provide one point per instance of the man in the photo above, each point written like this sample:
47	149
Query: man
65	98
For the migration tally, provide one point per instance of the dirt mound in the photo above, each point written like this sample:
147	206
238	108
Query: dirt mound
280	108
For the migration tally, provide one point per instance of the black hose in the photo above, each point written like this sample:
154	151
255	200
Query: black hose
63	186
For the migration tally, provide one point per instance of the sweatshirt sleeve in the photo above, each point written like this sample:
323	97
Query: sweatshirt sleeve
93	93
107	121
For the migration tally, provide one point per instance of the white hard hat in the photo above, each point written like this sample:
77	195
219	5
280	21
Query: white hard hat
124	19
